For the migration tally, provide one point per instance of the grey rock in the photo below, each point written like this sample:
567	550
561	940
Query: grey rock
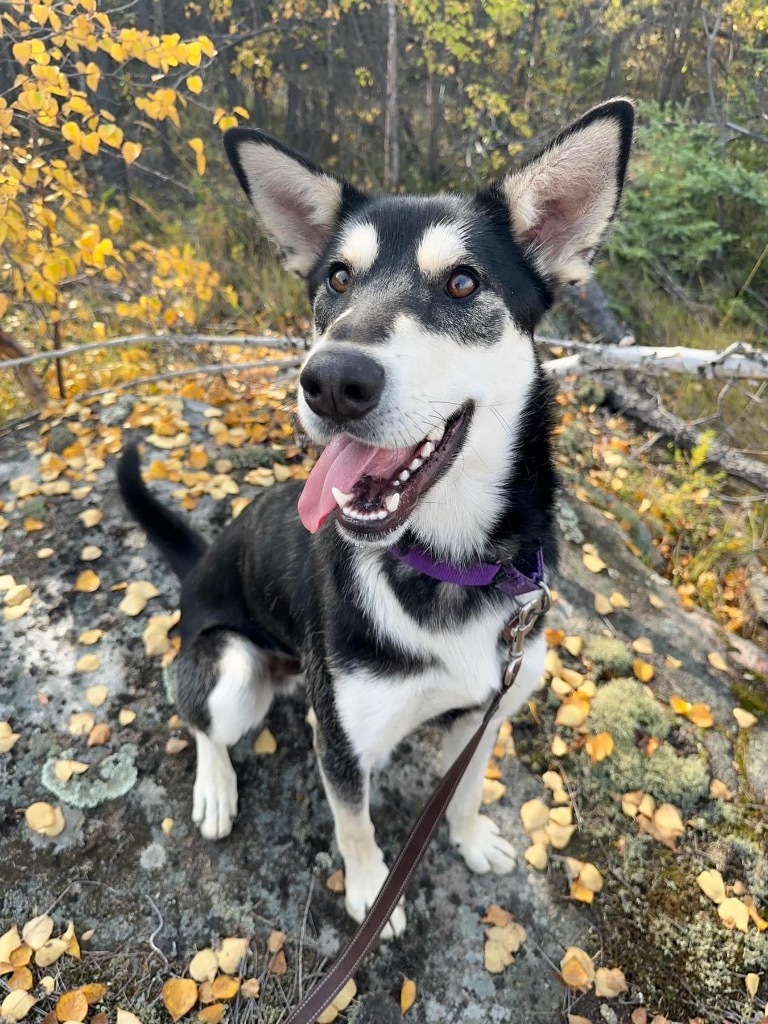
757	761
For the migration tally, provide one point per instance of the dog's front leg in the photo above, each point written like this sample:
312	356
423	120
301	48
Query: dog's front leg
347	786
475	835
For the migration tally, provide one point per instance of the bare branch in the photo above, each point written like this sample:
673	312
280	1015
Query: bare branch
737	362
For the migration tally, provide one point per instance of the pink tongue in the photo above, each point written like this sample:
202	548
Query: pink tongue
341	465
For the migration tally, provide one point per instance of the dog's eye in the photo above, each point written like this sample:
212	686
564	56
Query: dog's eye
338	278
462	283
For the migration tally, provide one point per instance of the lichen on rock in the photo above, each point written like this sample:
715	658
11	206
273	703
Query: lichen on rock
610	657
112	778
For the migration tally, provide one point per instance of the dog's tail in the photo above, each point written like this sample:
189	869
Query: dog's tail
179	544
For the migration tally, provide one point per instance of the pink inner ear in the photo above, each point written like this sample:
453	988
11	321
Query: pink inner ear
299	215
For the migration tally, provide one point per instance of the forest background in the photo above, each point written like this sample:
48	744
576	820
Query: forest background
119	218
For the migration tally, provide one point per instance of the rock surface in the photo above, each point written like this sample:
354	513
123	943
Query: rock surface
154	894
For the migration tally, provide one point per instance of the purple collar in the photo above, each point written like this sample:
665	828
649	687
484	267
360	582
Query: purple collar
526	576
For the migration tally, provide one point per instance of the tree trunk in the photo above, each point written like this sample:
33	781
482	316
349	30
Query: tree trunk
391	125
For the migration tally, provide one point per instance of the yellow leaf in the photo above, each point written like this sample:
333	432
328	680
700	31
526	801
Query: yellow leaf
576	969
179	996
265	743
45	819
712	885
72	1006
717	661
642	645
752	983
496	957
137	594
130	151
197	145
81	723
407	995
195	84
126	717
493	791
534	814
64	768
88	663
20	980
537	856
225	987
96	695
701	715
16	1005
655	601
618	600
600	746
335	882
90	636
609	983
36	932
734	914
91	517
230	953
602	605
594	563
111	135
643	670
679	706
745	719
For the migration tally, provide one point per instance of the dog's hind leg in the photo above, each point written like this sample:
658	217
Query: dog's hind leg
224	690
477	836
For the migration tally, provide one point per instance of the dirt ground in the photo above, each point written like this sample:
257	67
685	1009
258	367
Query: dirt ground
154	893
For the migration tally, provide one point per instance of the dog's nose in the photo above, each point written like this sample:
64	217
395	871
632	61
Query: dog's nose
342	385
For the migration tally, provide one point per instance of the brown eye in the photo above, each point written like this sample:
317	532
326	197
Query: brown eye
338	278
462	283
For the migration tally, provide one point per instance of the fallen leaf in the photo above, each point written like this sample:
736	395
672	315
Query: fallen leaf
559	747
561	815
250	988
602	605
88	663
559	835
760	923
96	695
407	995
618	600
155	636
8	740
21	956
335	882
534	814
137	594
90	637
166	826
594	563
90	553
590	877
346	995
600	746
276	941
655	601
72	1006
609	983
537	856
212	1014
17	594
100	734
711	884
752	983
639	1015
179	996
94	992
265	743
126	716
701	715
64	768
573	712
225	986
45	820
668	824
673	663
230	953
126	1017
81	722
574	1018
496	957
574	645
734	914
9	942
16	1005
717	661
50	952
21	980
576	969
91	517
745	719
175	745
642	645
87	582
204	965
719	791
493	791
279	965
45	552
642	670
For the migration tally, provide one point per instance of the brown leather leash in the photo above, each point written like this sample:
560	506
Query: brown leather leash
420	836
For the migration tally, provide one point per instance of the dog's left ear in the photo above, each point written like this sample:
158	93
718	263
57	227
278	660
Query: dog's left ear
299	204
562	202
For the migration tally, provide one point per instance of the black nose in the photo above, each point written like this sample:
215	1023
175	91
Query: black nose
342	385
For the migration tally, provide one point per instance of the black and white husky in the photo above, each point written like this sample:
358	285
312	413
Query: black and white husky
424	385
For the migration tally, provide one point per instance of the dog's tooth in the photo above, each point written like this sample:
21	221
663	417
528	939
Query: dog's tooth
348	510
436	435
392	502
341	499
427	450
381	515
404	476
416	464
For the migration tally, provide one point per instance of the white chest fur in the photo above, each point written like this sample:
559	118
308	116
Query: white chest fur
378	712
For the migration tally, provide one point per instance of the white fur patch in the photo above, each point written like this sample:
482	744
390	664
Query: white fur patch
241	697
442	247
214	798
359	246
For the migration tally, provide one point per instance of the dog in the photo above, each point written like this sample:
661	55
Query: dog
423	384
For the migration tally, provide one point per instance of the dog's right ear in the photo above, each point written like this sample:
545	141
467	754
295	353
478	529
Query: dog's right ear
299	204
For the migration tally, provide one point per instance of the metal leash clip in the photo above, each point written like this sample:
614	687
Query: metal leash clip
518	628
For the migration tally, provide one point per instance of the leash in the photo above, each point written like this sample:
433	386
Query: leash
412	852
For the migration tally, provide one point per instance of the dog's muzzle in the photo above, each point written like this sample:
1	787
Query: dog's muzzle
342	385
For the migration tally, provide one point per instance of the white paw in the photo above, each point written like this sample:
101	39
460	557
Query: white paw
482	846
214	799
362	885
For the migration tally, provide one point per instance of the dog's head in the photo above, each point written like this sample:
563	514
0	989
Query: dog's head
424	310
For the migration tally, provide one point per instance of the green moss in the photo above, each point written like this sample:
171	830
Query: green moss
610	656
112	778
752	696
624	706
